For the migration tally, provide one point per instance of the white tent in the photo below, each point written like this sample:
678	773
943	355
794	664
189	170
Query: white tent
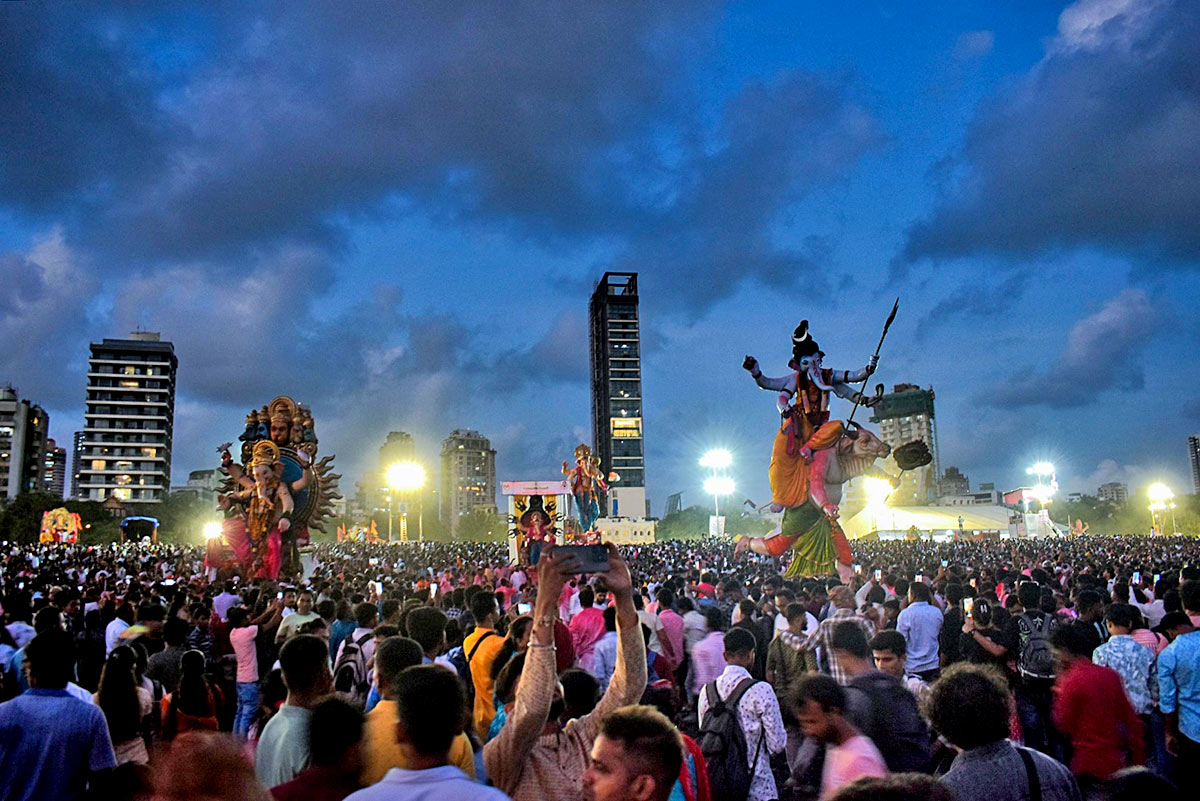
926	519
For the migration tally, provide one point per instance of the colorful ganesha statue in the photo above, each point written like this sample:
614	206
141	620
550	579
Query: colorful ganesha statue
279	491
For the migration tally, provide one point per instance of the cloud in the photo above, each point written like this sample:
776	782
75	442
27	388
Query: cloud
973	45
975	300
43	318
1096	146
1101	353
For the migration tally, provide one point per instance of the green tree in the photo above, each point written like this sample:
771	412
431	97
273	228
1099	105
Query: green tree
481	525
21	520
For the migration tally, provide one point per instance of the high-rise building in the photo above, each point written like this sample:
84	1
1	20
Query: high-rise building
76	463
23	428
468	476
614	337
905	415
1114	492
953	482
54	469
129	421
1194	461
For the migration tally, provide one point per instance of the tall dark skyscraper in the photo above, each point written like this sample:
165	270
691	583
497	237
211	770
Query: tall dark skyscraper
616	361
1194	462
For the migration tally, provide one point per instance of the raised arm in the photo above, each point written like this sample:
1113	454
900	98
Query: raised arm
785	383
629	679
505	755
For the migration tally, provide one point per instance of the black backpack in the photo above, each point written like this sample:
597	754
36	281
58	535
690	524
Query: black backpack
462	665
892	721
1035	658
723	744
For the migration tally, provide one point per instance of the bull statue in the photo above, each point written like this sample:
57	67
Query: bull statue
811	527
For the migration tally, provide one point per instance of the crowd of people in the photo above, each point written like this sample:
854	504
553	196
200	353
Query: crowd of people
1032	670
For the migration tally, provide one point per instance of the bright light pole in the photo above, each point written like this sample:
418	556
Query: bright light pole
717	486
877	491
1042	491
406	477
1161	499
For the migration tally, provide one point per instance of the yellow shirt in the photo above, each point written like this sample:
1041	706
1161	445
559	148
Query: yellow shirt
481	675
382	751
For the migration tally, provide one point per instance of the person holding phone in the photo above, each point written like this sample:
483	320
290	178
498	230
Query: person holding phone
522	760
981	642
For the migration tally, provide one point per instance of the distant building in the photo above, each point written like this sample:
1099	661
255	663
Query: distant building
54	469
129	421
1194	462
372	495
1113	492
203	485
614	338
905	415
953	482
468	476
76	463
982	498
23	429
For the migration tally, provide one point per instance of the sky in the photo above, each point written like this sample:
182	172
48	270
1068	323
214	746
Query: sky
396	213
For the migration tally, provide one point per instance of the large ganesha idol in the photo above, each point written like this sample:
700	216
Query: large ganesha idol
278	492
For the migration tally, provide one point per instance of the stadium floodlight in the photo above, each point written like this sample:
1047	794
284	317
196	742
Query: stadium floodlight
717	486
1160	492
405	476
877	490
718	459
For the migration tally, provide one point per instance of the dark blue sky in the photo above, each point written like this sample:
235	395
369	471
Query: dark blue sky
396	214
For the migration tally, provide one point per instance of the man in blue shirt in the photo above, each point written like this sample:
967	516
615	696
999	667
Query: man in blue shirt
430	707
1179	699
921	625
51	744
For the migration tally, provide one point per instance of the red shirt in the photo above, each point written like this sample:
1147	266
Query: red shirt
1092	710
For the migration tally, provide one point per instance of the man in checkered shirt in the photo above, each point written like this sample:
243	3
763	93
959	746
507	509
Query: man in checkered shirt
842	600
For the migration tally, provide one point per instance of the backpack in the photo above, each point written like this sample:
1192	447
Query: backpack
1035	658
892	720
723	744
350	672
462	666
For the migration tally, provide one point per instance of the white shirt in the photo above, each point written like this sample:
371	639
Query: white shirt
759	715
651	621
223	602
112	634
810	623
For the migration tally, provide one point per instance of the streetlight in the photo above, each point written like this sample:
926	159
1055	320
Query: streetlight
1043	491
406	477
1161	499
878	491
717	486
716	459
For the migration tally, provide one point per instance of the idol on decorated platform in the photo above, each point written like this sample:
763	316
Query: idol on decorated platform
278	492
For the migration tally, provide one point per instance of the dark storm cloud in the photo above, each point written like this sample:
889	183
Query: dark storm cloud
79	119
1098	145
778	141
976	300
1102	353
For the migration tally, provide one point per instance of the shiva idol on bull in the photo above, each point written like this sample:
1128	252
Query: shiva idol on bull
813	456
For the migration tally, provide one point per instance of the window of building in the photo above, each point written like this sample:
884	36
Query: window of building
99	464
